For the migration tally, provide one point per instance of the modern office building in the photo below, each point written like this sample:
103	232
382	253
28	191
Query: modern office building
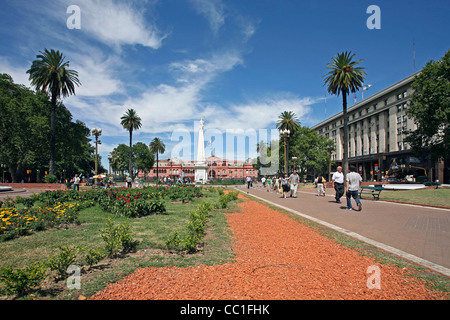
377	129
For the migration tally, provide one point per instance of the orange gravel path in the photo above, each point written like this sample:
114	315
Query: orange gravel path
277	258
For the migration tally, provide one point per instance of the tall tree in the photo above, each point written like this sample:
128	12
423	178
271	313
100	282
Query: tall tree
344	77
131	121
430	109
157	146
312	151
143	157
288	120
51	74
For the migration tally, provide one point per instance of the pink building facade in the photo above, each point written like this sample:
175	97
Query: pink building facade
218	169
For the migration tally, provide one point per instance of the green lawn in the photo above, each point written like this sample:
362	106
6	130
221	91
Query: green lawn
439	196
150	232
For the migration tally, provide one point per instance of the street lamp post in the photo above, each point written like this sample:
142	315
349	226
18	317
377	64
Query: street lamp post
96	133
294	158
285	133
109	161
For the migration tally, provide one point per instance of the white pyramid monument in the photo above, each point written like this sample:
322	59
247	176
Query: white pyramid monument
201	168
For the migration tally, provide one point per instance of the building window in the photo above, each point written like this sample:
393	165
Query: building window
399	108
400	145
399	119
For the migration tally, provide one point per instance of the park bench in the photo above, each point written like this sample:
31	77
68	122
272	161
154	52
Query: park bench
374	191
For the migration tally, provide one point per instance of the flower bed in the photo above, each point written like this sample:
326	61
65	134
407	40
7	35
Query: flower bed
16	222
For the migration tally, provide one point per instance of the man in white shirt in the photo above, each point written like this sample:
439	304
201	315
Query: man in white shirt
294	179
76	183
352	188
249	181
338	184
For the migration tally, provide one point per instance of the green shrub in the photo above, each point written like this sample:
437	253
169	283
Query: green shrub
19	281
50	178
94	256
195	230
173	242
63	260
117	238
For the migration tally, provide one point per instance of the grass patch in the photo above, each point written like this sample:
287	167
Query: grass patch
150	232
440	196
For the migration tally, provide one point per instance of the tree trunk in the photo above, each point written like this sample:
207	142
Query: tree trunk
130	168
51	167
345	157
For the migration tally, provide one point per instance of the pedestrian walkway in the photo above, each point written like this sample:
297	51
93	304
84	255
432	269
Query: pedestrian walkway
417	233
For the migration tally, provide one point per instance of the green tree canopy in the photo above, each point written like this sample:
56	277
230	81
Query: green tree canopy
430	109
143	157
311	150
24	133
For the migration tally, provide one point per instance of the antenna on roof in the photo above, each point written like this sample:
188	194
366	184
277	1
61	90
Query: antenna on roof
414	55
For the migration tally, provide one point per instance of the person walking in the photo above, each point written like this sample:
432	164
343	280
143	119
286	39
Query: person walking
285	185
320	181
294	180
338	184
76	182
277	184
249	182
352	188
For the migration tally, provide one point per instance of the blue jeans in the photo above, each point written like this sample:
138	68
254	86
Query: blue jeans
353	194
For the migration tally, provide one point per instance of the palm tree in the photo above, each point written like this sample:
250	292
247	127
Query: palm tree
114	160
344	77
157	146
50	74
131	121
288	120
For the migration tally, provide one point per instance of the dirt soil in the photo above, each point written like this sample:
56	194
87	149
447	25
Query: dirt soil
277	258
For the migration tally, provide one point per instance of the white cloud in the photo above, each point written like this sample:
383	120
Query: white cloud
118	23
19	74
96	75
213	10
259	114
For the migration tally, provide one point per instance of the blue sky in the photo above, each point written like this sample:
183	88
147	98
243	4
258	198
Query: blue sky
238	63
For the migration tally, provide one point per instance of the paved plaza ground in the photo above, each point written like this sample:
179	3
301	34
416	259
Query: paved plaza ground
418	233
